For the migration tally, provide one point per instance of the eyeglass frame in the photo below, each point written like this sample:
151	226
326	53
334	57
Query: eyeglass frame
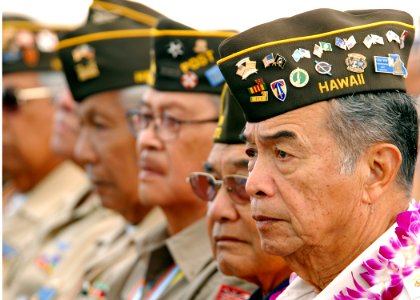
218	183
157	121
21	96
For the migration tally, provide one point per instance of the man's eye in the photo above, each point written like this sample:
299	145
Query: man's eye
251	152
281	154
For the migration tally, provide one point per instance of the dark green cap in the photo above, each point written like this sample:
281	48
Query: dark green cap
106	56
314	56
29	45
184	59
105	11
231	120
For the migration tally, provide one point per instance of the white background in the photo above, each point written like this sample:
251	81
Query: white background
205	14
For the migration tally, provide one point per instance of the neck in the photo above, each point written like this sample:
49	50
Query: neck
268	282
28	180
135	215
181	216
320	265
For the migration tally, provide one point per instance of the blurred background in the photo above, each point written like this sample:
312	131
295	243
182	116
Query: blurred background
215	14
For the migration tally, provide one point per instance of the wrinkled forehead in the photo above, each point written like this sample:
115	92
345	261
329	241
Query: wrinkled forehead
227	158
301	123
188	103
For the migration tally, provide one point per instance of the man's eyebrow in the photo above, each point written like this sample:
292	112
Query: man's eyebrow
208	167
279	135
144	103
240	163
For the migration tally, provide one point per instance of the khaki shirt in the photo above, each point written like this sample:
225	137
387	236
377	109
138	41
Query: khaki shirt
190	250
40	262
56	195
102	266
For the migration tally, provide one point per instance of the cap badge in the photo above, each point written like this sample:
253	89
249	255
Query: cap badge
403	36
299	77
390	65
356	62
189	80
322	67
279	89
200	46
176	48
373	39
301	53
319	49
214	76
85	62
260	86
46	40
246	67
392	36
268	60
345	44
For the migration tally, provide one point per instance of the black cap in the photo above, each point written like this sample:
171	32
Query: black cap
29	45
231	120
314	56
184	59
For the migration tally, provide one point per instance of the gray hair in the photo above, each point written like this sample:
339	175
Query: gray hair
361	120
132	96
54	80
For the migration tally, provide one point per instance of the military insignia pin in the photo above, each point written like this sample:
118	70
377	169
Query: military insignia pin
176	48
299	77
246	67
189	80
390	65
356	62
322	67
200	46
279	89
85	62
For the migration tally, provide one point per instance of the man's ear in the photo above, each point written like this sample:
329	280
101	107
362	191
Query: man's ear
383	162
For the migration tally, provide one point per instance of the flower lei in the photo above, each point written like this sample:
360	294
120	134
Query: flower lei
384	274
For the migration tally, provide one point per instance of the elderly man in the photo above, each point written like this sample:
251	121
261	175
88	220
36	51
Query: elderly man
42	190
175	123
106	64
234	237
332	140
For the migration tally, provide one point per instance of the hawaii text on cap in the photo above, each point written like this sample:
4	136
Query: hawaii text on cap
314	56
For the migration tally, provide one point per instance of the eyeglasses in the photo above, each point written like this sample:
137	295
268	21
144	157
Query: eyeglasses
166	127
206	187
13	98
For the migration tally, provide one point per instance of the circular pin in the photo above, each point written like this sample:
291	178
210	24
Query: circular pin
322	67
189	80
299	77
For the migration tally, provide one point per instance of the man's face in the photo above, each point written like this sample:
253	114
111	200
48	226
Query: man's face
107	150
26	129
66	125
233	233
165	164
301	199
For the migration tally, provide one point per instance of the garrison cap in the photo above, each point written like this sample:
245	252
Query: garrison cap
184	59
105	11
231	120
99	57
29	45
314	56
